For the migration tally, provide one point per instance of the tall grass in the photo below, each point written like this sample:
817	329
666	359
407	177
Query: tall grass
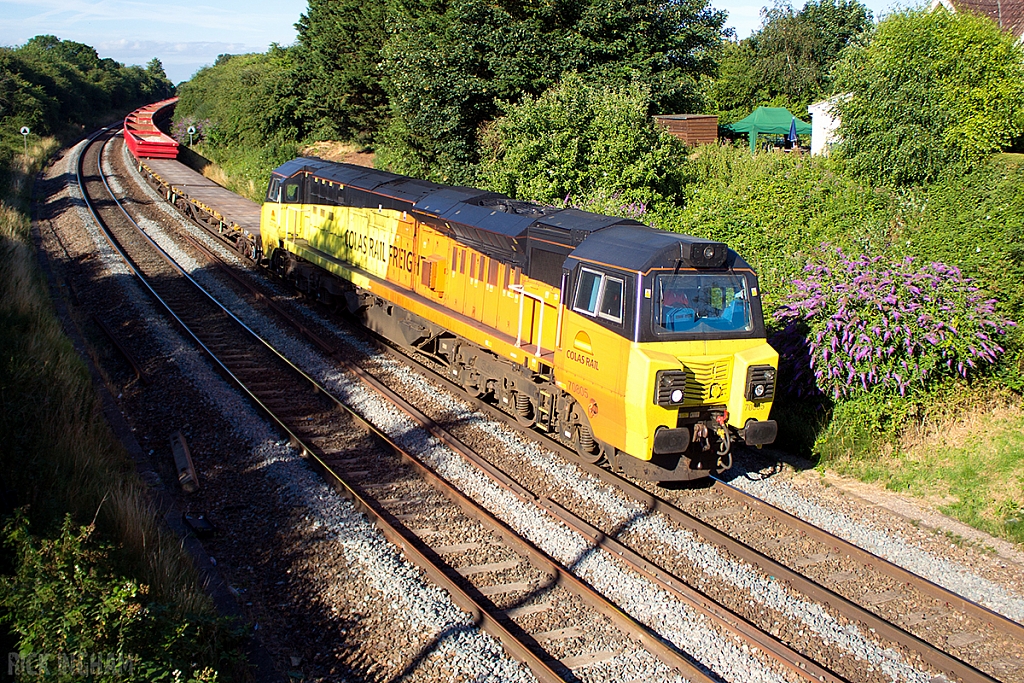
57	453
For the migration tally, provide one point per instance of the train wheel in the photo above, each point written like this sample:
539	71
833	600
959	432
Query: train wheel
585	444
472	384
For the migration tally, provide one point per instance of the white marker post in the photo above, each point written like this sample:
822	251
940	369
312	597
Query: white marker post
24	132
191	132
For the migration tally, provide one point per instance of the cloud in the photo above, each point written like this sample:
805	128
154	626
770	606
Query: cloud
180	59
145	49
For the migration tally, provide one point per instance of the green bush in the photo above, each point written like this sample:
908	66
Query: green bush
446	67
774	209
583	144
75	615
929	89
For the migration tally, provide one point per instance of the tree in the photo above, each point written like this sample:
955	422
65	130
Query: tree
251	100
448	64
591	145
787	62
666	45
48	84
341	44
155	68
929	89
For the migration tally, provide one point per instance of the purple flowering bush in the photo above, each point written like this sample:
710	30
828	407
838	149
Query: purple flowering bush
855	324
613	204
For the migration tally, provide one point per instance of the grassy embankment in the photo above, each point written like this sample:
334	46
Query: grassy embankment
122	584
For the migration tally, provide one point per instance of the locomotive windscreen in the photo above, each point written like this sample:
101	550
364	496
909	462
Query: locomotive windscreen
691	303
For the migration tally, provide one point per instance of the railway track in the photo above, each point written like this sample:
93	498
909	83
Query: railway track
902	607
404	497
620	539
926	653
356	470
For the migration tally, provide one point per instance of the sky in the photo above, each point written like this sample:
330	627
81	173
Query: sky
187	35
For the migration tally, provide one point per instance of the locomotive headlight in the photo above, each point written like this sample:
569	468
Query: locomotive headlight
708	254
760	383
670	388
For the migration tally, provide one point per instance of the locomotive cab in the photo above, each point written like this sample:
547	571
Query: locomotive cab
664	340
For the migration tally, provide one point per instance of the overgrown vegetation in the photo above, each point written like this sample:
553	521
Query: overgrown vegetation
88	570
57	87
418	80
583	141
76	615
873	325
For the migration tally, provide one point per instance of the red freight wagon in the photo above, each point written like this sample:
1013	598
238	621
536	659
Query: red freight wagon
142	135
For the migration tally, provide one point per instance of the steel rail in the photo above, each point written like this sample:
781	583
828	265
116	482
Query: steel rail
703	604
929	653
480	615
719	614
999	622
419	553
675	586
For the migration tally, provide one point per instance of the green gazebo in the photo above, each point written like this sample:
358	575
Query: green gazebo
775	120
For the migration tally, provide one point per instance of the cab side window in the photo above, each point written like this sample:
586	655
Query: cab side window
587	292
599	295
292	192
611	300
274	190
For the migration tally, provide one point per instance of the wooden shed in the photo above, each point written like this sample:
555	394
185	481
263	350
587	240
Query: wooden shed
693	129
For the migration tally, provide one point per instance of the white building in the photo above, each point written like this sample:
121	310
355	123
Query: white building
824	124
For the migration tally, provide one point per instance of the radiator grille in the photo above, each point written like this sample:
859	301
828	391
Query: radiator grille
708	381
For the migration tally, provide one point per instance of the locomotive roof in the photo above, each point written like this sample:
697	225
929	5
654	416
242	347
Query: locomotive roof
500	226
466	205
642	248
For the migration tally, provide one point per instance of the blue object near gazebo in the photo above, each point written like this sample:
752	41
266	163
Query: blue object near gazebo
774	120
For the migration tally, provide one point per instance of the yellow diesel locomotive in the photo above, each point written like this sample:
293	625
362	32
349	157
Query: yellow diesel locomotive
637	346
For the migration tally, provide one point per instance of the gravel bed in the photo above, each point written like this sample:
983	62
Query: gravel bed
443	525
380	615
888	542
846	644
629	665
968	638
846	647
